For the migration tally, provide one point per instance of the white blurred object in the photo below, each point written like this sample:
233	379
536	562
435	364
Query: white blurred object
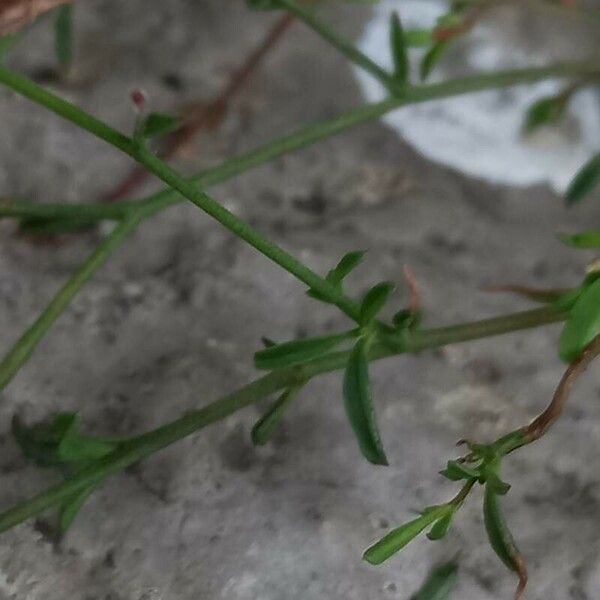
480	134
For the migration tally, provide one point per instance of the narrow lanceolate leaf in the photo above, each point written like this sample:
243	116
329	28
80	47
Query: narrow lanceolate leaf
439	583
501	538
583	324
297	352
398	538
347	264
374	301
456	471
158	124
586	239
265	427
63	35
585	181
546	111
441	527
42	226
398	47
71	507
359	406
431	58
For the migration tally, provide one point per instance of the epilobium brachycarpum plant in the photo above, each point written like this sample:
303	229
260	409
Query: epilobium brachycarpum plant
86	461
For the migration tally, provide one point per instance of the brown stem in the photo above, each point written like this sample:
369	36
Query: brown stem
544	421
201	115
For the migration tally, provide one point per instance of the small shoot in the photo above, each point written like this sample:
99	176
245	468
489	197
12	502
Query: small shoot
373	301
336	276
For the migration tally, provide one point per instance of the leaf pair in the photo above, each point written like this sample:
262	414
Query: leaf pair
395	540
59	442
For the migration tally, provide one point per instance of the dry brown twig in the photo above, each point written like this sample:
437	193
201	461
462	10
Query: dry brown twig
15	14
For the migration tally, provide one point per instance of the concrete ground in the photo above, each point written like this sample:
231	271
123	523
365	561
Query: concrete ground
171	323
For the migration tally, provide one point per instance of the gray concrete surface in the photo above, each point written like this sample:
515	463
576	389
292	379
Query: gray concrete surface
172	321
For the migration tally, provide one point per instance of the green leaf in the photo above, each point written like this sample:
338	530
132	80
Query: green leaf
585	181
336	276
157	125
586	239
440	528
398	538
398	47
359	406
456	471
71	507
39	443
265	427
431	58
499	535
75	447
374	300
297	352
439	584
583	323
418	38
63	35
347	264
546	111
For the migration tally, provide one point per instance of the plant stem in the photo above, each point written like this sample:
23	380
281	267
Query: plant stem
25	345
275	381
347	48
301	138
160	201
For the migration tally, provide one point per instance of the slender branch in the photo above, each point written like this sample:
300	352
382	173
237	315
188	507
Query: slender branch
346	47
25	345
535	430
206	116
155	440
160	201
311	134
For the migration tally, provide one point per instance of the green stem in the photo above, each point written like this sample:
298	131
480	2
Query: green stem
190	423
346	47
25	345
302	138
18	209
157	202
